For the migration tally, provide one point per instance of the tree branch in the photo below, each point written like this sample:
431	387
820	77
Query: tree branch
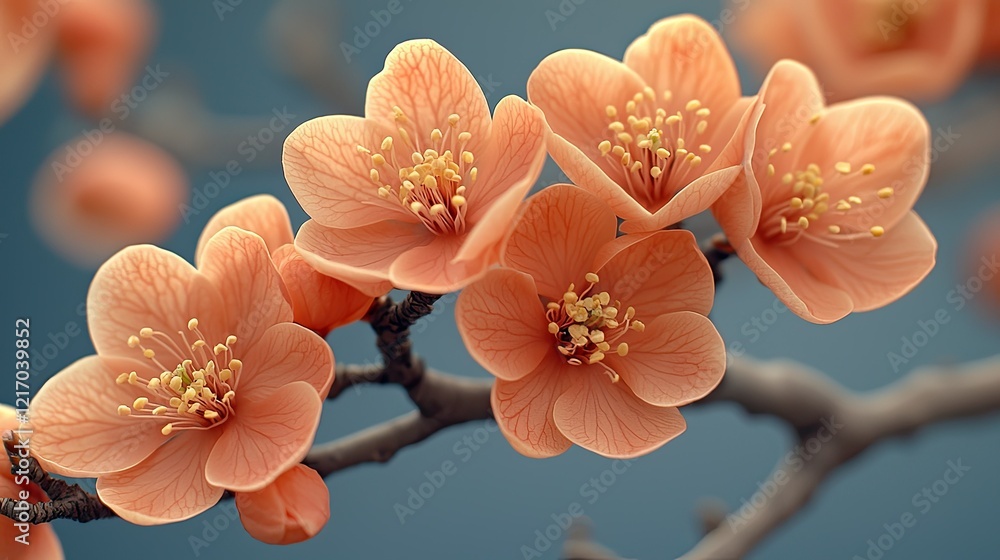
809	402
442	401
67	501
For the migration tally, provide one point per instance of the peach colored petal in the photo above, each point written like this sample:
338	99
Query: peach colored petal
22	58
573	88
331	179
360	256
692	199
125	191
78	431
767	30
503	325
237	263
783	274
429	84
262	214
266	437
43	544
319	302
167	486
677	360
738	209
145	286
286	353
516	158
434	267
292	509
657	273
483	242
684	54
555	239
523	409
875	272
890	134
608	419
582	171
101	46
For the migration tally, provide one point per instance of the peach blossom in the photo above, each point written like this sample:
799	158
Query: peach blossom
24	52
319	302
920	50
593	340
43	544
92	199
823	216
200	384
292	509
650	135
101	46
420	192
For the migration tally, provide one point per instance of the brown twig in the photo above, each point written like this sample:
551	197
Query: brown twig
67	501
811	403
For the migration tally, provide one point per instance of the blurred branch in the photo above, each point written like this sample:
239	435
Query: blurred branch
810	402
717	250
67	501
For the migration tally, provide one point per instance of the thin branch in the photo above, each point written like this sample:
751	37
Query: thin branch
717	250
442	401
67	501
852	423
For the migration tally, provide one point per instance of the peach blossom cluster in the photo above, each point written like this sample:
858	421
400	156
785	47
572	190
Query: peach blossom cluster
588	302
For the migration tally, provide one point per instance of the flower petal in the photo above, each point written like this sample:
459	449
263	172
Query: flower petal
875	272
523	409
502	323
608	419
167	486
330	177
657	273
292	509
77	429
573	88
262	214
794	285
145	286
360	256
890	134
685	55
238	264
555	239
678	359
516	157
286	353
429	84
319	302
266	437
435	268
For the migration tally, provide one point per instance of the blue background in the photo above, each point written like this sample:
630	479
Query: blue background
497	499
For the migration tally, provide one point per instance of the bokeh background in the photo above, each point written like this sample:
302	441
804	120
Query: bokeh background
222	55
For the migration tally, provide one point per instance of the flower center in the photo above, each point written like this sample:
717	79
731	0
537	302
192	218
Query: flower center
656	150
804	209
431	174
198	393
585	326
